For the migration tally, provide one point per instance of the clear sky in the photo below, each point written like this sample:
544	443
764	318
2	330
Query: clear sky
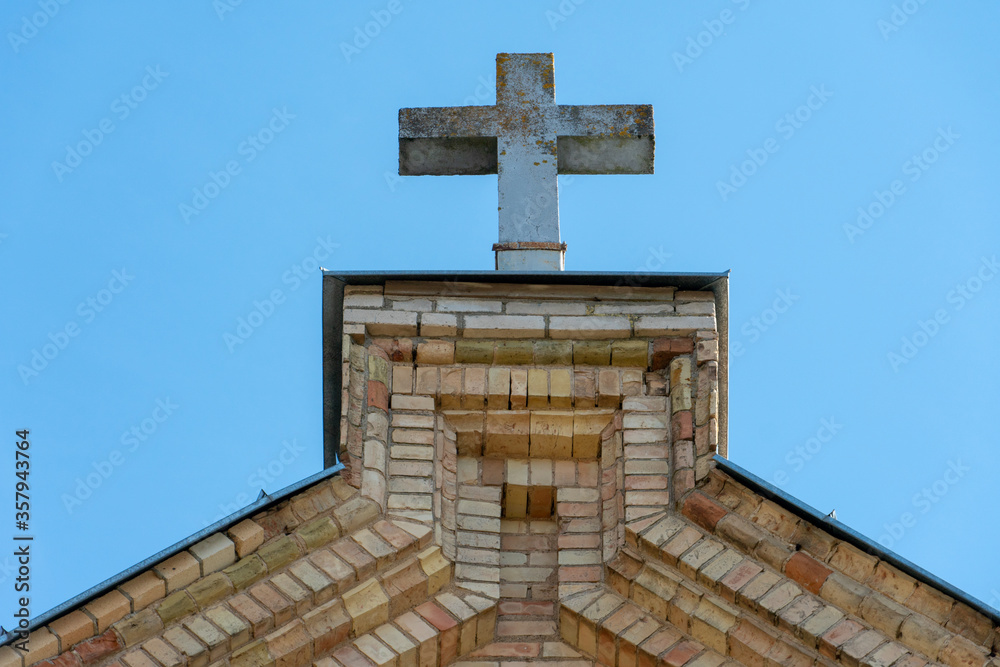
169	169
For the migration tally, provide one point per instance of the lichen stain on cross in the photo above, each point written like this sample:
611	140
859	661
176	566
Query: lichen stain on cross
527	140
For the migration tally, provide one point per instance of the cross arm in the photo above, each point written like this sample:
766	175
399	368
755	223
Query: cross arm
605	139
447	141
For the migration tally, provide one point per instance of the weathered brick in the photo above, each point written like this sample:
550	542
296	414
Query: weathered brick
280	607
179	570
139	627
176	605
236	629
216	641
210	589
254	654
215	552
703	511
90	651
924	635
260	619
553	353
72	628
290	646
247	536
355	513
144	589
807	571
166	654
368	606
853	562
246	571
184	643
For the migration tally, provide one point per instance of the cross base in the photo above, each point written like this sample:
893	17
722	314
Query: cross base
530	256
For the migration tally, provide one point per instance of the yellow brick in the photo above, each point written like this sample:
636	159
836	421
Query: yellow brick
608	388
427	381
474	391
247	535
402	379
507	434
499	389
437	352
108	609
561	388
436	567
515	501
587	434
518	389
73	628
42	644
368	606
451	388
551	435
179	570
538	388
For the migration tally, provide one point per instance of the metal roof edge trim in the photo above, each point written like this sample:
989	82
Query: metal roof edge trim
698	281
108	584
841	531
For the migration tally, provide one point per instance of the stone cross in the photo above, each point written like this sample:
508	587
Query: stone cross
527	139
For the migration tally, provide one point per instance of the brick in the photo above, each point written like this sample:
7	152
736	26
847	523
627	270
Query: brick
518	389
703	511
235	628
42	644
425	636
278	553
608	388
210	589
349	656
739	531
819	623
883	614
961	652
401	402
673	325
438	324
474	352
318	532
807	571
589	327
498	388
301	597
504	326
405	585
924	635
553	353
246	571
138	658
328	626
178	571
368	606
260	619
183	642
930	602
139	627
399	643
176	605
91	651
843	592
378	395
839	634
168	656
551	434
216	641
969	623
247	536
513	353
144	589
507	434
634	353
355	513
437	352
591	353
73	628
853	562
377	652
587	434
859	646
277	604
396	349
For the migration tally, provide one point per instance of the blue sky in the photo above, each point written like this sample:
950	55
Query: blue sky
170	168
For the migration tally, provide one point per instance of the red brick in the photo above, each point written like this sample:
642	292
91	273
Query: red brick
508	650
703	511
738	578
568	573
349	656
665	349
260	619
98	648
436	616
680	654
493	470
837	635
650	650
355	556
397	349
406	586
807	571
67	659
274	601
681	426
378	395
398	539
